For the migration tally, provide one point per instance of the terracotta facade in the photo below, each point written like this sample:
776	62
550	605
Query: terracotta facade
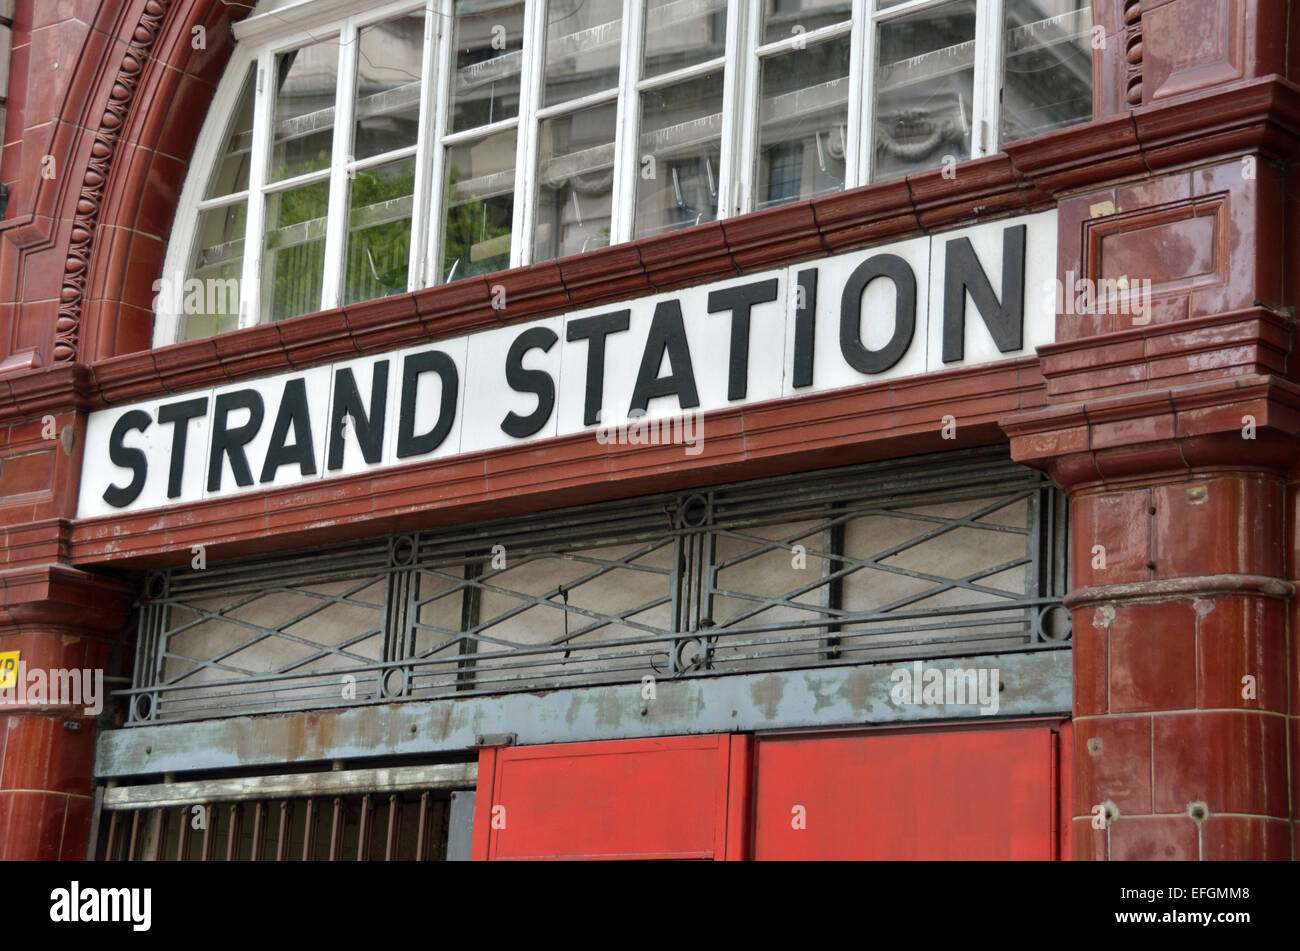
1176	439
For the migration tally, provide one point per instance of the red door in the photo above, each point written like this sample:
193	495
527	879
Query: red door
951	794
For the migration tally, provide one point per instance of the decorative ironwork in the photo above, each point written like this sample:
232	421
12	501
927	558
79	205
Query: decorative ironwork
941	555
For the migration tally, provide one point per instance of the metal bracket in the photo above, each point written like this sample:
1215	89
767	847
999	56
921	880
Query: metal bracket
496	739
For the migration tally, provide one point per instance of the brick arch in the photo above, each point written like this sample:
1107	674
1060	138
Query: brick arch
168	85
81	249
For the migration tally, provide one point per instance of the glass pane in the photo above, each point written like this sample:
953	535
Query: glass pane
231	173
680	33
681	148
803	123
389	62
785	18
480	205
293	266
489	44
576	182
1047	73
303	136
379	231
582	48
925	81
211	306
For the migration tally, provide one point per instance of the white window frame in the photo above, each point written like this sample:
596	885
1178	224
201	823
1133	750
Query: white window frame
264	35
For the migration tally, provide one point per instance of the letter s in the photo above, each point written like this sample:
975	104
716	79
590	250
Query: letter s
127	458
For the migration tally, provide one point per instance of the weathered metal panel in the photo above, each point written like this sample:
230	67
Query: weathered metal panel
1036	683
460	826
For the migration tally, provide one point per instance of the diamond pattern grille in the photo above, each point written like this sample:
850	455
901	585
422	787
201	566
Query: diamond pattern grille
952	554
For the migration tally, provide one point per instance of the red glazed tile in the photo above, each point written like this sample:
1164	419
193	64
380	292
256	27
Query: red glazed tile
1239	637
1154	838
1233	762
1153	657
1114	763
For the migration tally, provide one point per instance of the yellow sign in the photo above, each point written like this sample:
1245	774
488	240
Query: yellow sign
8	669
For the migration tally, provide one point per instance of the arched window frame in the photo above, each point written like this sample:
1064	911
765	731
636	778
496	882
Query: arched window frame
266	34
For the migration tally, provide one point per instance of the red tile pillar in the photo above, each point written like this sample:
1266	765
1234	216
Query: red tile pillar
57	619
1182	578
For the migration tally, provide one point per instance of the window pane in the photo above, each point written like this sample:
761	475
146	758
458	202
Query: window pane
379	231
294	263
303	136
785	18
680	33
212	306
480	204
681	147
576	182
582	48
389	61
925	81
489	50
803	123
1047	72
231	173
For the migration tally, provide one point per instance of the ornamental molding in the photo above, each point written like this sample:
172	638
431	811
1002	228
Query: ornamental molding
103	150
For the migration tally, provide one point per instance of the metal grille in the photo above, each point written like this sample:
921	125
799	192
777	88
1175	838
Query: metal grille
962	553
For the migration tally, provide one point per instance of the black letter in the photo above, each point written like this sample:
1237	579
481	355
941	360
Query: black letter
293	412
368	427
805	328
529	381
855	354
739	300
180	413
962	273
594	330
232	442
133	459
431	361
667	333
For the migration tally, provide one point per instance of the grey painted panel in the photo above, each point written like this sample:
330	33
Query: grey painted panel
1034	683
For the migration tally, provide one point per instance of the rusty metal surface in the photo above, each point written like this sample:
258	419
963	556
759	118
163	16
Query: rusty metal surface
1036	683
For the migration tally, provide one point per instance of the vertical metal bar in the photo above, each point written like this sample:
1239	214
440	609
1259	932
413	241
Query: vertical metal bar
234	832
110	853
183	835
422	830
96	820
460	825
833	590
135	836
336	830
363	830
470	605
258	852
211	819
311	821
394	827
282	836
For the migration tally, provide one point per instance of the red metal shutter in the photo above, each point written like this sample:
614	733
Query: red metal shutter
951	794
673	797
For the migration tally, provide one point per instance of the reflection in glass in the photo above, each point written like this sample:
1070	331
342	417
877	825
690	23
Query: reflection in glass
925	81
680	154
582	48
379	231
785	18
803	123
681	33
212	307
293	264
488	51
303	136
480	188
1047	70
389	62
575	190
231	173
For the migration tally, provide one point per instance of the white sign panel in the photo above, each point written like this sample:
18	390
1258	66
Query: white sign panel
917	306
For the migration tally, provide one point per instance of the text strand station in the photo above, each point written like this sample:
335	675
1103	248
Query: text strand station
912	307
